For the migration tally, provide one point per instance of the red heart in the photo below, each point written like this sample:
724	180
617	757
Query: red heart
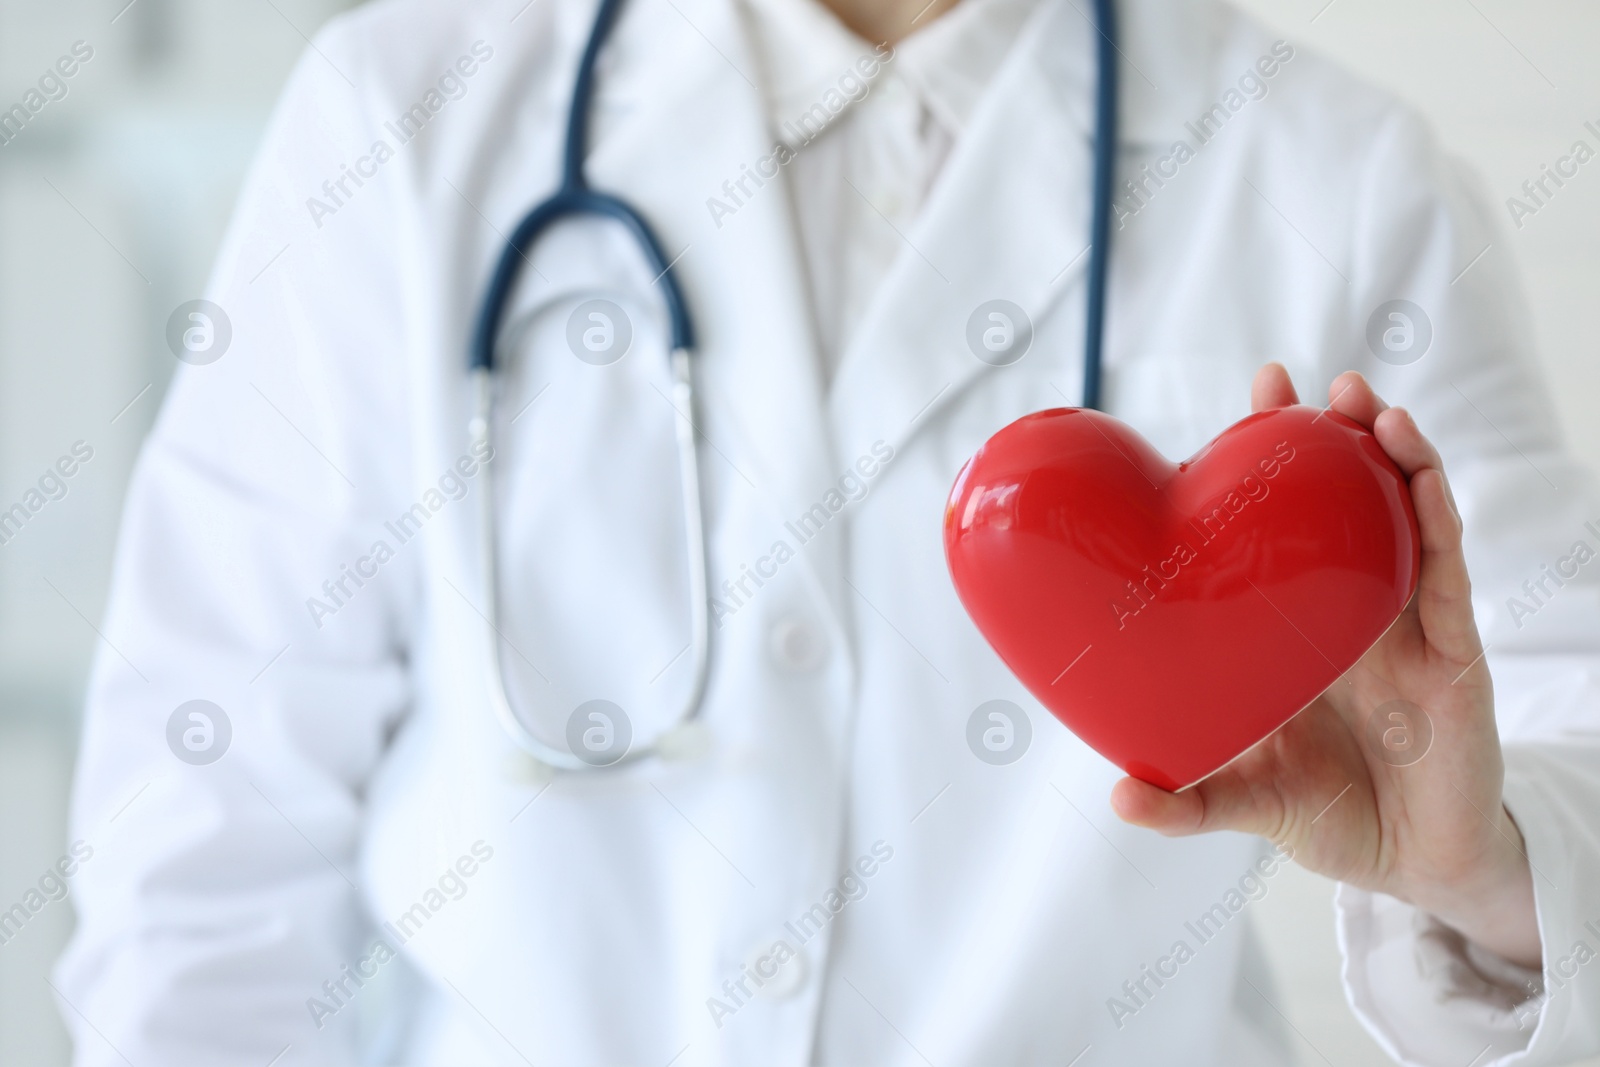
1173	616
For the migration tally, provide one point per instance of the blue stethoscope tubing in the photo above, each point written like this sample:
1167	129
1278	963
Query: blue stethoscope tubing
1104	172
573	199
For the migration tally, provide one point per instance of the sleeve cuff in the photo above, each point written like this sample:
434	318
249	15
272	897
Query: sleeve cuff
1431	998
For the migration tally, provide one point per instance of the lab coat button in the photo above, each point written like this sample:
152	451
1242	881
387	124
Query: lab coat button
797	646
778	968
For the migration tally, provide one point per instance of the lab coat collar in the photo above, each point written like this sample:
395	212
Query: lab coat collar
803	47
948	61
1008	218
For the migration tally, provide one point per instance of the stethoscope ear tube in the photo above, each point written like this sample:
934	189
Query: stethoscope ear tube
575	198
480	431
1105	167
693	529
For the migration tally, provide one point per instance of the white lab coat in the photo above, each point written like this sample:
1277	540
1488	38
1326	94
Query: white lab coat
365	765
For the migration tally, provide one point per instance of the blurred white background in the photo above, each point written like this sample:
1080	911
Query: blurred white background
113	199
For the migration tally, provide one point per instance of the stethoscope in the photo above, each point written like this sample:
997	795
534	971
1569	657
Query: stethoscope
575	198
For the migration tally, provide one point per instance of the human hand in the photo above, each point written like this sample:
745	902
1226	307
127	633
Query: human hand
1433	832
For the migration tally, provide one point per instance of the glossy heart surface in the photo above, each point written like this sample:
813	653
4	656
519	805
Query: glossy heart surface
1173	615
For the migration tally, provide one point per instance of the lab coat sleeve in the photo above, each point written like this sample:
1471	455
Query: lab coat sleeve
219	897
1532	518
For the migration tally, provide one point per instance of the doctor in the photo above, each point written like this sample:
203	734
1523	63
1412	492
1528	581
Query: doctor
871	845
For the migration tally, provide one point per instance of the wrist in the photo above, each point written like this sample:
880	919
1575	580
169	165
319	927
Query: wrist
1494	906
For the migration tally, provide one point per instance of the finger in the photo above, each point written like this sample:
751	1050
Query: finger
1351	396
1272	388
1444	590
1401	438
